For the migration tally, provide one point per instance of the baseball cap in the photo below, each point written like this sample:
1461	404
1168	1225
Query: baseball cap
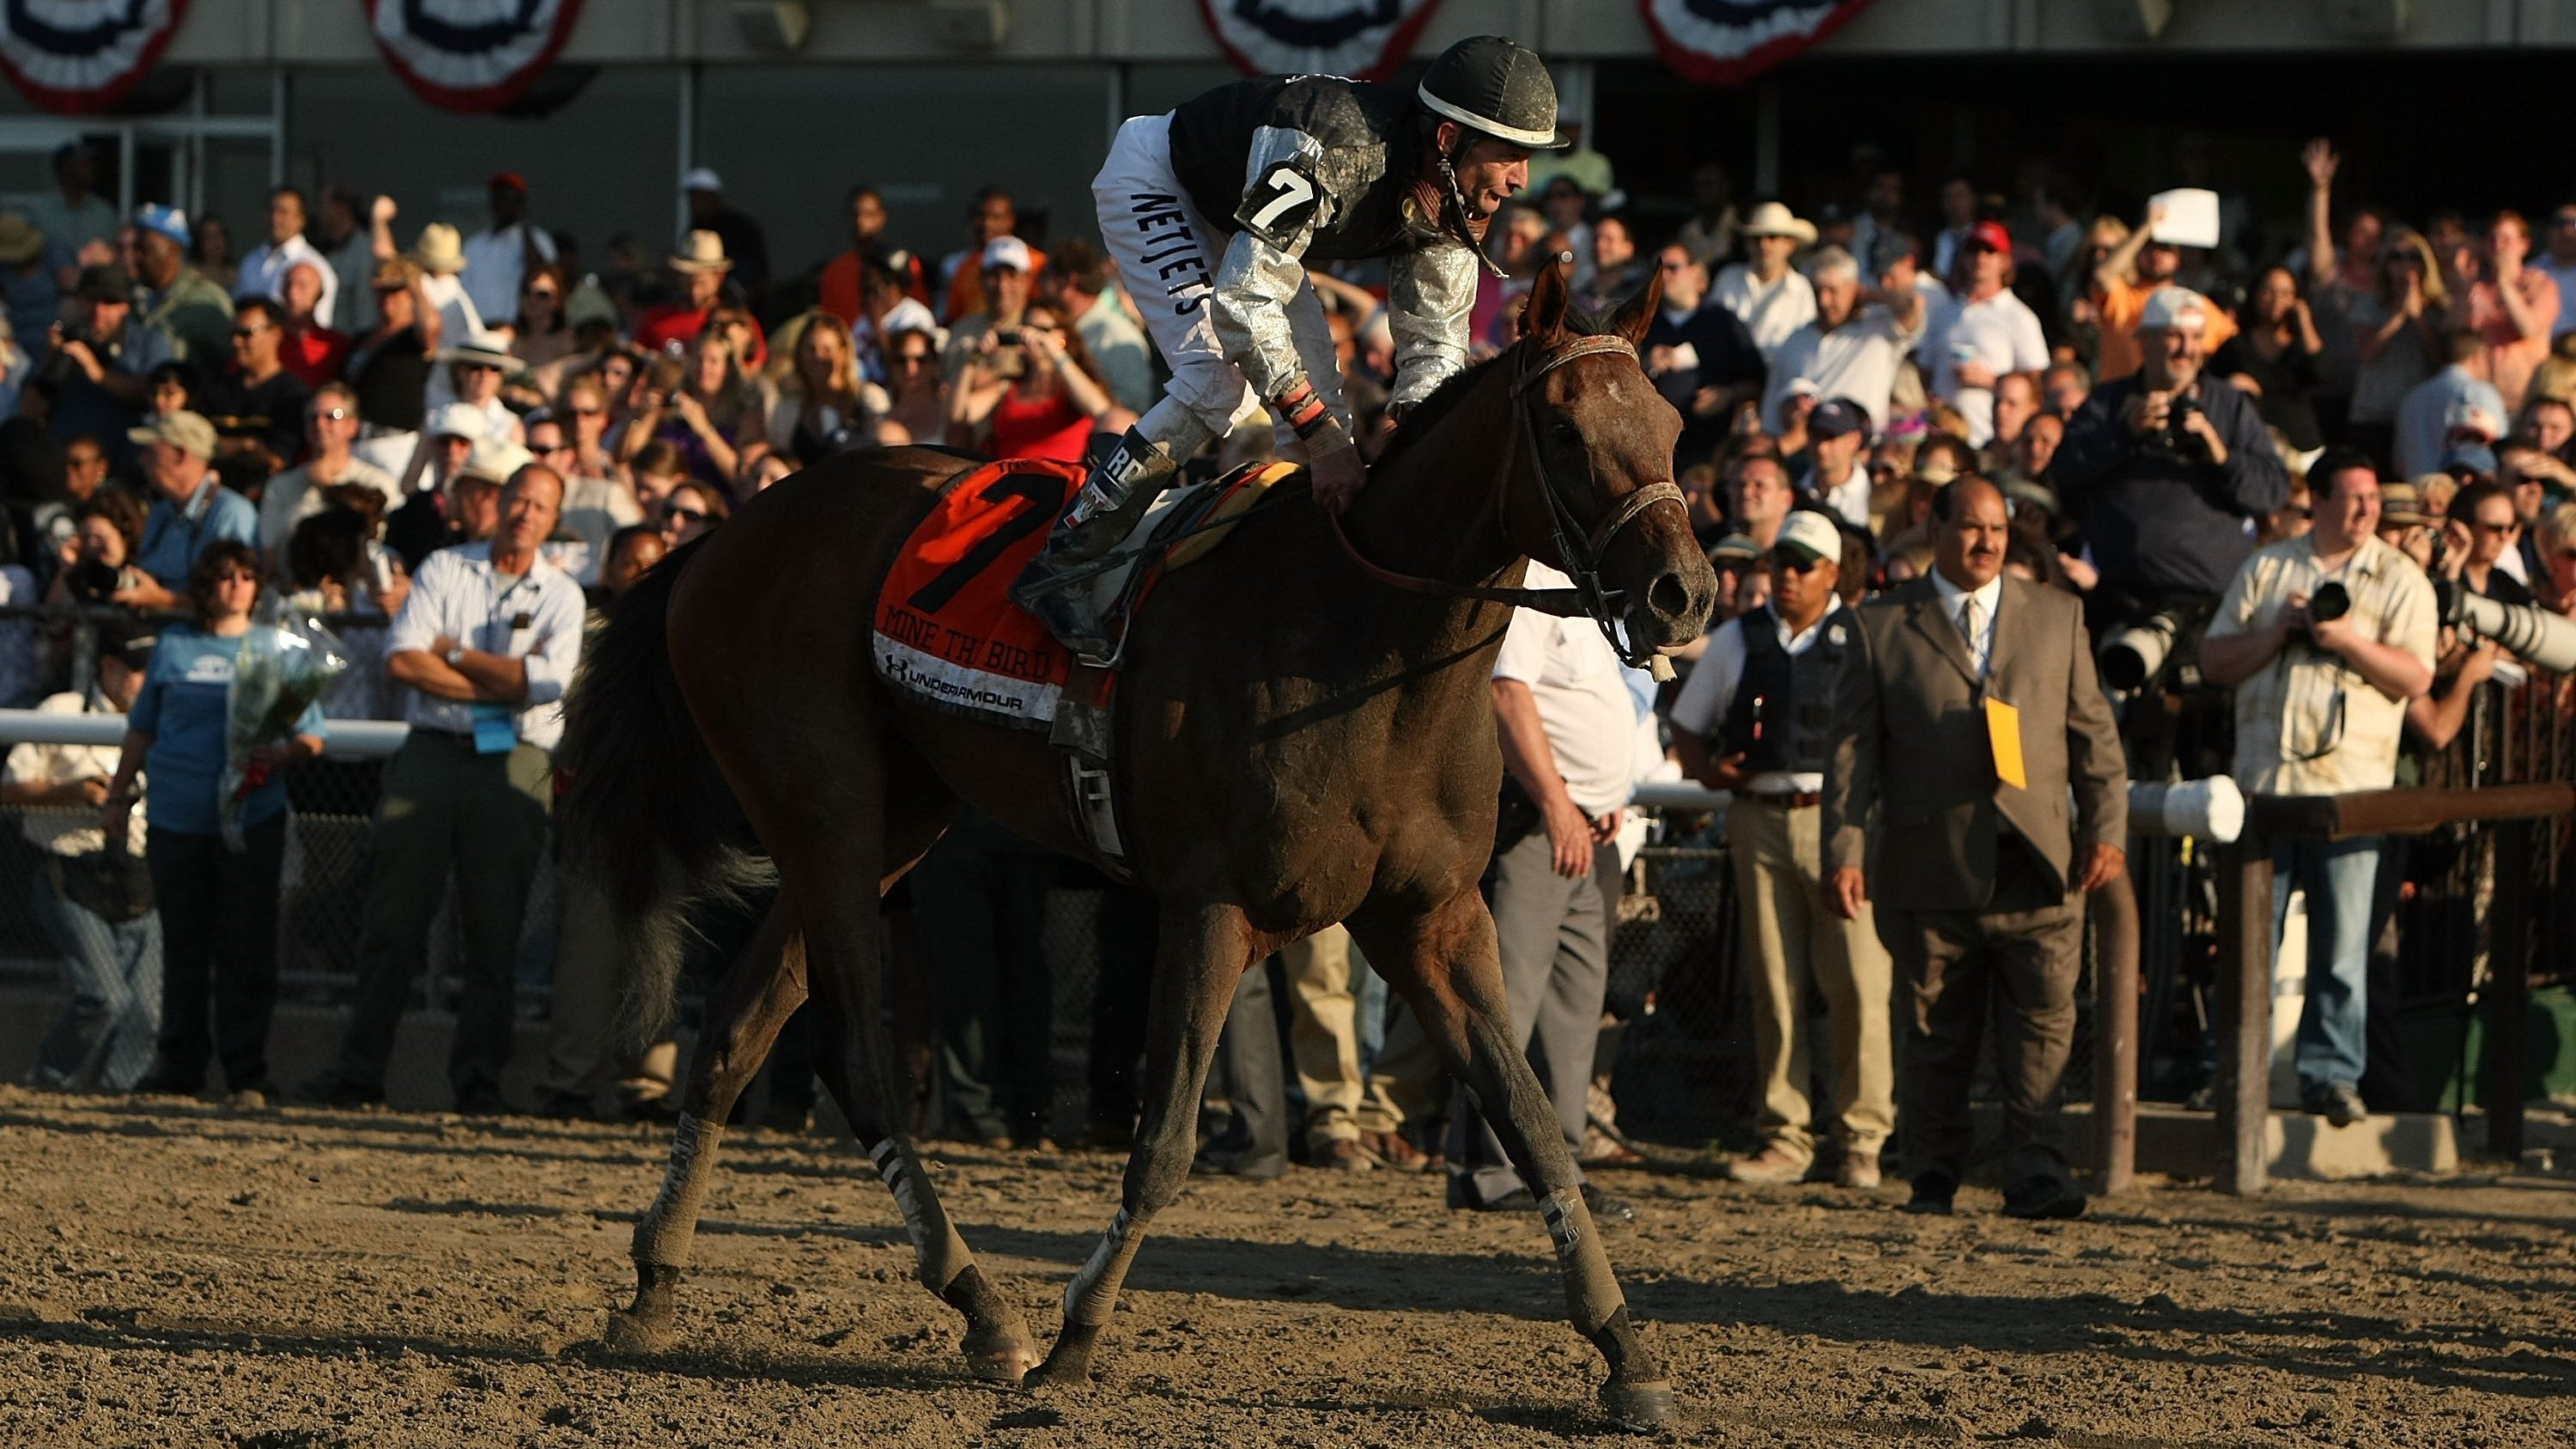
2475	458
2167	307
455	420
1838	417
1809	535
106	282
507	181
702	178
168	221
2470	416
1006	251
494	461
1992	236
1734	548
183	430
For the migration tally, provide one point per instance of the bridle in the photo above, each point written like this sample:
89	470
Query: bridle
1579	547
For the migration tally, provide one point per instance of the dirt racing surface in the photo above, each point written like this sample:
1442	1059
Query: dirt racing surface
179	1274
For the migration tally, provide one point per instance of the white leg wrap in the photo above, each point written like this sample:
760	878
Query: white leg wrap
1094	1291
669	1227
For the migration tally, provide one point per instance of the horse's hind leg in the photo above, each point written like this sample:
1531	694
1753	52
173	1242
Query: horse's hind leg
763	988
997	1343
1202	954
1444	963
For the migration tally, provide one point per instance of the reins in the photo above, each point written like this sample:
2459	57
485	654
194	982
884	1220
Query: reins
1581	549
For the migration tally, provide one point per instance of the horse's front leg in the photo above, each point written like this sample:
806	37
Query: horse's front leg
1202	954
1444	961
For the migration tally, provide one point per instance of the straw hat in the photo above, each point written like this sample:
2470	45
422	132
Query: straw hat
484	349
1773	219
702	252
439	251
495	461
19	240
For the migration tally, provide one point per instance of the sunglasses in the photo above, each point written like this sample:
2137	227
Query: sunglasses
1783	559
913	359
332	415
240	333
590	412
548	293
2483	526
685	515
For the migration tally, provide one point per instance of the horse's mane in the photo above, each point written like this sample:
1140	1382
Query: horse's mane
1426	414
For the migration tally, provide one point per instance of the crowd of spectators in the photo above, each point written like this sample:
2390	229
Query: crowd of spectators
2190	439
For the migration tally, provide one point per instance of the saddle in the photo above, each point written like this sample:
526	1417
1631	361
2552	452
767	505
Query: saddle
948	635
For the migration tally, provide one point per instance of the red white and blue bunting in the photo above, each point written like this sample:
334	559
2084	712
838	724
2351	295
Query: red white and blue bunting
1363	38
80	57
1724	42
471	55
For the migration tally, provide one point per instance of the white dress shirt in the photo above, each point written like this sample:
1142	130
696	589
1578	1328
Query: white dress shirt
263	274
457	594
1981	649
1772	310
496	266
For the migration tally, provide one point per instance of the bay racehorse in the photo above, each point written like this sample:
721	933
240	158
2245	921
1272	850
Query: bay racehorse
1306	739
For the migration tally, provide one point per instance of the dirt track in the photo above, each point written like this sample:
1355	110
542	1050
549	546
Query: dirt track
177	1274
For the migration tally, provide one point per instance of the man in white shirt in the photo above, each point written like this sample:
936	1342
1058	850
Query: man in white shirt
486	642
71	216
1767	293
1845	352
499	257
1756	718
1838	432
263	272
1569	736
1985	334
2320	704
331	428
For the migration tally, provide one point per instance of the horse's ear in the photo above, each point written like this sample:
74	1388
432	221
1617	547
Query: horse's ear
1544	317
1637	314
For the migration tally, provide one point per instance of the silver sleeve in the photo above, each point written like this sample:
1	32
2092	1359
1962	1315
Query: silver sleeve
1249	307
1428	296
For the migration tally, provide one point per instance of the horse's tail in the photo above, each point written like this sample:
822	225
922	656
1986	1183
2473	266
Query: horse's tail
647	822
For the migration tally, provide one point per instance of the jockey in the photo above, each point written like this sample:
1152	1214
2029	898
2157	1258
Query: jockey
1214	211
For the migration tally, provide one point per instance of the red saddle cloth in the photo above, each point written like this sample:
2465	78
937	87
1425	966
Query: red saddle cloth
947	632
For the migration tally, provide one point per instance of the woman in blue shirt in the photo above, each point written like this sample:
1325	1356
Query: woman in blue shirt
218	907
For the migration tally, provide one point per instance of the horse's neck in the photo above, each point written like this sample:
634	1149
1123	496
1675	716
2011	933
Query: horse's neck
1433	513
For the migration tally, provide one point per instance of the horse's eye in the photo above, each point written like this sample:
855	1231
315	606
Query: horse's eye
1566	433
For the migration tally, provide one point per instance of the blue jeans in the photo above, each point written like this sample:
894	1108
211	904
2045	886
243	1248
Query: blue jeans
2338	876
105	1033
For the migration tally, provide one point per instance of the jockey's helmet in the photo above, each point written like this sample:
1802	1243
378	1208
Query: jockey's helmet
1492	86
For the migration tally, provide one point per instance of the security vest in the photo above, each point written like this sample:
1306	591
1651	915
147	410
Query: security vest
1783	712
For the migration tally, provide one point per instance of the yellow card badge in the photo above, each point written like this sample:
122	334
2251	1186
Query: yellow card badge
2003	735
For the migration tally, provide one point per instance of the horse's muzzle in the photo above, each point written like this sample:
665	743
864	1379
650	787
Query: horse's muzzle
1673	609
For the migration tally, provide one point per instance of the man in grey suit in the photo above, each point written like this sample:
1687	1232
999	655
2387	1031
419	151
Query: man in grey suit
1961	730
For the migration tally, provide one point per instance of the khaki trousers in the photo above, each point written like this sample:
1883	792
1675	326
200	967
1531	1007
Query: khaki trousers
1793	936
1323	1033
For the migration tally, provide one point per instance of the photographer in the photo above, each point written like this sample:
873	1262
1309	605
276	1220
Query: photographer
2326	637
2166	470
100	362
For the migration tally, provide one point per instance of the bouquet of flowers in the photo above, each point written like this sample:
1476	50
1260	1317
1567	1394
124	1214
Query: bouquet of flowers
285	662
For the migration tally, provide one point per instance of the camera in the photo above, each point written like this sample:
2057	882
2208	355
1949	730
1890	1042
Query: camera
58	368
91	580
2136	653
1006	337
2330	602
2526	631
2177	436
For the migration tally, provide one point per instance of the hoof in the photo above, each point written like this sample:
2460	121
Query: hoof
630	1333
1639	1406
1068	1364
1007	1364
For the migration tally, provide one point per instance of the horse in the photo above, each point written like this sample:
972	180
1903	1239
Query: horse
1308	738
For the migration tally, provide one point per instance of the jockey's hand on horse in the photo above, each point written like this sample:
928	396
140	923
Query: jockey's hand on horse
1335	478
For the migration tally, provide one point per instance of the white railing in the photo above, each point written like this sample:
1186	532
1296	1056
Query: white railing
346	739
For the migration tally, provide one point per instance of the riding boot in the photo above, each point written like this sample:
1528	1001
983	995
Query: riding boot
1057	585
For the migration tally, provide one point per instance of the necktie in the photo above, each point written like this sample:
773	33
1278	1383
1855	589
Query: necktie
1968	624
